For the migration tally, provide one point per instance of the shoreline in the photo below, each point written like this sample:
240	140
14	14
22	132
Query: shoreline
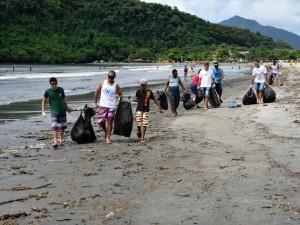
216	166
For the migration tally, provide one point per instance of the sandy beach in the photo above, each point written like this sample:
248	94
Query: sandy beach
217	166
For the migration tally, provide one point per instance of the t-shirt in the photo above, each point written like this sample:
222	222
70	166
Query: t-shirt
218	75
196	80
273	69
56	100
259	74
143	99
206	77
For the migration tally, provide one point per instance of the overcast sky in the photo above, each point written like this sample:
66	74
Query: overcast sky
284	14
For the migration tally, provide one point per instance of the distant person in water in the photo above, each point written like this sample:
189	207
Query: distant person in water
219	76
143	96
58	109
173	83
192	72
259	78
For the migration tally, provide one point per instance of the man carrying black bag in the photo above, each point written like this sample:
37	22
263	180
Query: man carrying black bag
108	89
143	97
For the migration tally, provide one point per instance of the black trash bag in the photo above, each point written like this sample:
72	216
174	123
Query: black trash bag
83	131
163	101
199	97
249	98
123	119
270	80
269	95
188	102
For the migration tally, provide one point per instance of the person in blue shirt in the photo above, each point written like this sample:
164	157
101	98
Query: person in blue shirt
219	76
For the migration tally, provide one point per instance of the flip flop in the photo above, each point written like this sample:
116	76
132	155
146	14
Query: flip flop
54	145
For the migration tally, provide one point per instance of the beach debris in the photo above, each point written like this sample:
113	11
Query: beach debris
64	219
30	196
267	207
177	180
296	121
110	214
64	204
239	159
16	215
223	166
55	160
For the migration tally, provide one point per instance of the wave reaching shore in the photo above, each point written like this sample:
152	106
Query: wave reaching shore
216	166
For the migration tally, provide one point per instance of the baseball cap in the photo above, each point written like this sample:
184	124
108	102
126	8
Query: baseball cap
216	64
143	81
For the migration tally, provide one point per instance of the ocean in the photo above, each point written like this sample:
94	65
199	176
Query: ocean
22	89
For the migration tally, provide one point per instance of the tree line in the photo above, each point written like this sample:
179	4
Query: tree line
80	31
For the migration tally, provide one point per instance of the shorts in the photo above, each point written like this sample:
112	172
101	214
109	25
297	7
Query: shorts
105	114
219	88
58	122
259	86
205	91
194	89
273	75
174	96
142	119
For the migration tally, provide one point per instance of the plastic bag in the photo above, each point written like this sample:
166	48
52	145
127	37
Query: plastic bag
163	101
83	131
234	104
270	80
199	97
269	95
249	98
188	102
123	119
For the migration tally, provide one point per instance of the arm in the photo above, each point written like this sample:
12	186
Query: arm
222	75
66	104
97	91
266	77
166	85
44	101
119	92
252	80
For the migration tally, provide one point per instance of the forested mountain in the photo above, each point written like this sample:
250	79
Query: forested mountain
62	31
254	26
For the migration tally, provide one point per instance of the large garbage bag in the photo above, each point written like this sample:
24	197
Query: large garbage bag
199	97
123	119
270	81
163	101
82	131
249	98
269	95
188	102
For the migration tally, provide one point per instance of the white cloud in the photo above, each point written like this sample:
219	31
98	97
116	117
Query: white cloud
284	14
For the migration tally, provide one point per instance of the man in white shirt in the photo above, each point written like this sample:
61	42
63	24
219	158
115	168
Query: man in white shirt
259	77
206	77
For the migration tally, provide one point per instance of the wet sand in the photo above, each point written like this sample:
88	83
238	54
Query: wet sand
216	166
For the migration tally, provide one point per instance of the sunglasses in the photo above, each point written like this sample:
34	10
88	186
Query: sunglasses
53	84
111	77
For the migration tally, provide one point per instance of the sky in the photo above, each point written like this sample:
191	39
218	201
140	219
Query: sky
284	14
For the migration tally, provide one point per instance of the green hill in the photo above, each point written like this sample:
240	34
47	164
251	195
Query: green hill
62	31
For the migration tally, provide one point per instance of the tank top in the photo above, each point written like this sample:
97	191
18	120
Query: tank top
218	75
173	81
108	95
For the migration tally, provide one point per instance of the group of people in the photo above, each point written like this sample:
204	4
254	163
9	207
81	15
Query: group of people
109	90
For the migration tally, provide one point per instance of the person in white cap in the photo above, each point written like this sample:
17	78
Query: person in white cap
143	96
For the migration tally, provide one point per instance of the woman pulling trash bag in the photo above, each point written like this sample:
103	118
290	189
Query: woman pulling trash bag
82	131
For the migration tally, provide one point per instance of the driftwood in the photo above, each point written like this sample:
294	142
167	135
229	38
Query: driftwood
16	215
37	197
27	188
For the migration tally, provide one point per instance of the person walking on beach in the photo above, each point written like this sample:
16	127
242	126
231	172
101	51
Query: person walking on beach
58	108
173	82
195	84
143	96
259	76
274	72
206	77
192	73
108	89
219	76
185	72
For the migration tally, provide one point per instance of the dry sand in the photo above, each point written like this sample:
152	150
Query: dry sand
216	166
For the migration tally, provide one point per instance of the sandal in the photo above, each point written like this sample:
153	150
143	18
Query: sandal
54	145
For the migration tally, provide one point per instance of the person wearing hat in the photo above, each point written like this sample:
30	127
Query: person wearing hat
219	76
142	97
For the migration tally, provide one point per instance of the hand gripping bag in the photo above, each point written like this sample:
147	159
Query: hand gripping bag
123	119
199	97
249	98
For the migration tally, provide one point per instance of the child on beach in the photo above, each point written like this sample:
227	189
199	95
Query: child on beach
143	96
58	108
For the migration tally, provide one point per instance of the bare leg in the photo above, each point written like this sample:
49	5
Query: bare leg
206	102
62	131
103	126
259	96
108	131
173	109
143	133
139	133
54	134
